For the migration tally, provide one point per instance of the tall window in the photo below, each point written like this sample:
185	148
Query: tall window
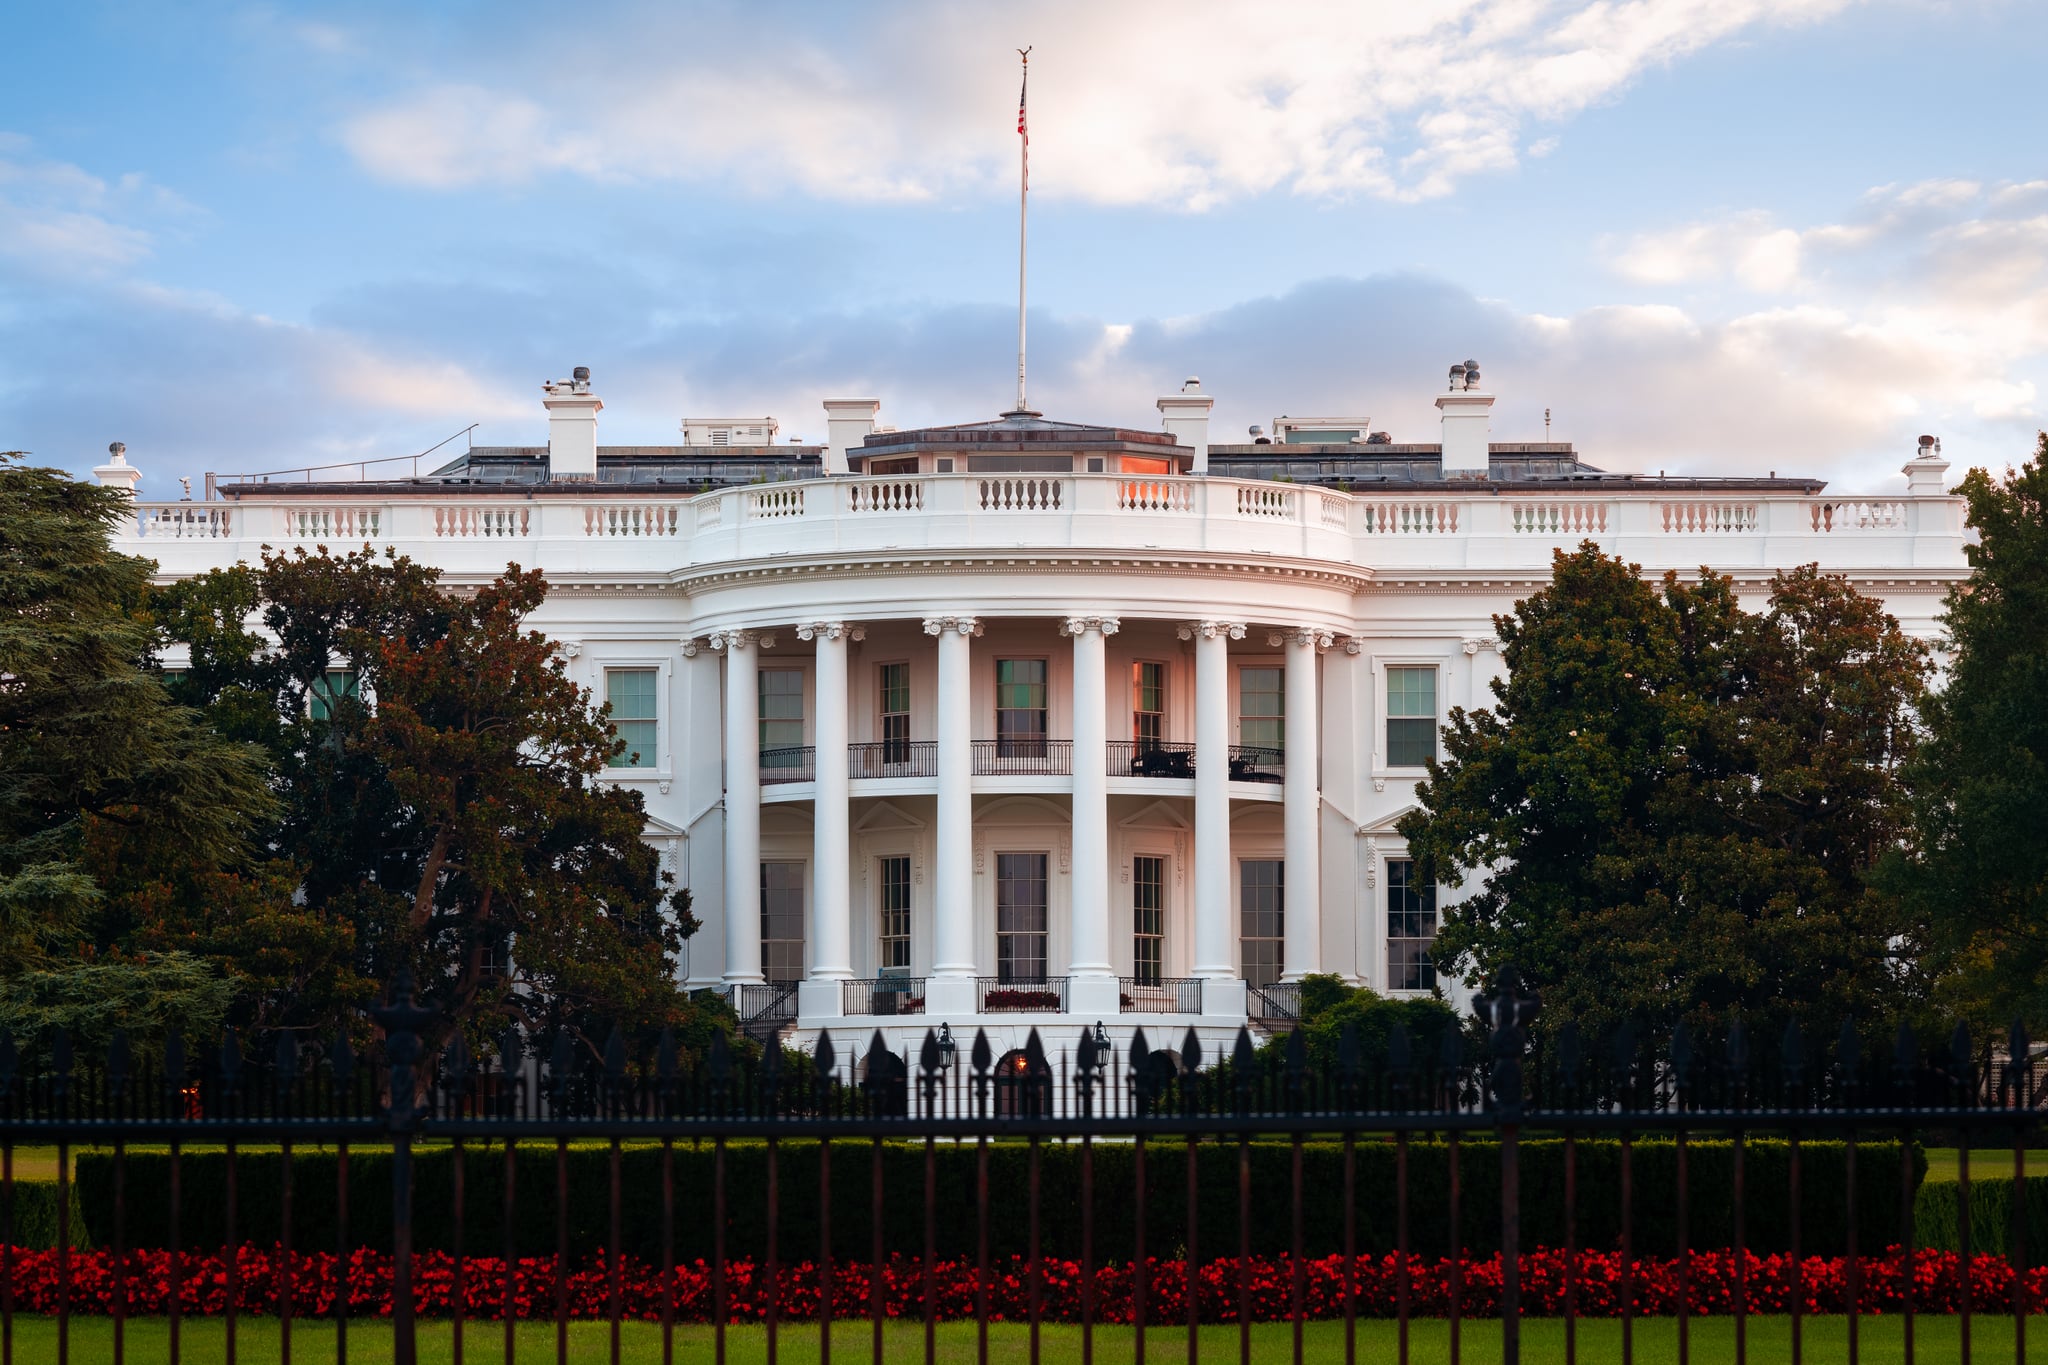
631	694
895	917
782	717
1148	919
1411	716
782	921
1261	919
330	688
1020	708
1020	916
1148	705
895	717
1260	711
1411	928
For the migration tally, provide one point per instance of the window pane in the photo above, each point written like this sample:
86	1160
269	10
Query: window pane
1411	928
1020	916
1148	919
1262	921
782	921
631	692
782	713
1260	707
895	689
895	914
329	688
1410	743
1148	704
1020	708
1411	692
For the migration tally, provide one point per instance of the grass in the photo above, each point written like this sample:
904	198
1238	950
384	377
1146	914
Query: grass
1985	1162
1937	1341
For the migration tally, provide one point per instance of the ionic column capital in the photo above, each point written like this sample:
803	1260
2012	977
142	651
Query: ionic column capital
963	625
1210	630
1081	625
1302	635
725	640
829	630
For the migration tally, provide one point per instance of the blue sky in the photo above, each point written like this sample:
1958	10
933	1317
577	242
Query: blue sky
1717	236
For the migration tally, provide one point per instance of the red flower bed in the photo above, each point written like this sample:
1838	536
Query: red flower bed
318	1282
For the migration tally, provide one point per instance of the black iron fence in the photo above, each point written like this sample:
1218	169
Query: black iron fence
1151	1182
1160	995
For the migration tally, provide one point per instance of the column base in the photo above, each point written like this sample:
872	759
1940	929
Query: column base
819	999
1092	998
1223	1000
949	995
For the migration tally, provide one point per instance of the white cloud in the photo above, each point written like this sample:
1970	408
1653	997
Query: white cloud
59	217
1145	101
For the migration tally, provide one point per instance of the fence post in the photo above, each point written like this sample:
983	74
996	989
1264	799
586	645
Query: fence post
1507	1016
401	1018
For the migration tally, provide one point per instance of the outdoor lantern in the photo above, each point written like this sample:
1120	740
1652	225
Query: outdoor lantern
949	1052
1101	1040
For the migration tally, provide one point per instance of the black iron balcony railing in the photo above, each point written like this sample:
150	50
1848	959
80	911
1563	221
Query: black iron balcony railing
894	758
1275	1000
1253	763
1023	757
789	765
1162	995
1150	758
1046	995
882	995
755	1002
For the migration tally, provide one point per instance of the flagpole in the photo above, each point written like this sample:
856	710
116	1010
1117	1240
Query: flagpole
1023	218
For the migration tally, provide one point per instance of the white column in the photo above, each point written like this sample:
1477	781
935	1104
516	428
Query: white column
1213	958
1092	985
1301	880
742	806
831	864
951	987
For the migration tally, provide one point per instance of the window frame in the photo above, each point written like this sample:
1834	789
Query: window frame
1426	967
803	908
1140	935
883	911
1382	764
664	685
1279	935
1005	971
1023	746
802	720
897	748
1277	667
1140	742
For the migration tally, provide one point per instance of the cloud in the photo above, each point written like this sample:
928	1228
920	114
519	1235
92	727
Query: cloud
59	217
1142	102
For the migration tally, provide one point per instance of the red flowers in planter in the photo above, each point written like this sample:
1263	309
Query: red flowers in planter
321	1282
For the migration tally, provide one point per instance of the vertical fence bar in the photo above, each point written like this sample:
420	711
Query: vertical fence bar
1457	1275
1244	1249
718	1291
284	1255
7	1252
64	1259
561	1251
1037	1267
1403	1287
668	1245
1295	1295
1799	1265
1852	1273
1628	1253
1350	1247
875	1233
615	1304
1906	1240
1963	1237
1087	1251
2016	1240
231	1254
1511	1245
176	1277
981	1248
1193	1257
1571	1248
121	1256
341	1263
824	1251
402	1338
1684	1234
774	1284
931	1249
458	1289
1141	1270
1741	1259
509	1311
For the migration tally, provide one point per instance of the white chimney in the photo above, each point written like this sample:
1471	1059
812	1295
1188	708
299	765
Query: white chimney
572	426
1924	471
118	473
847	421
1467	414
1185	416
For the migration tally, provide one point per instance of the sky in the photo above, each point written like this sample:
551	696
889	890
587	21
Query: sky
1707	236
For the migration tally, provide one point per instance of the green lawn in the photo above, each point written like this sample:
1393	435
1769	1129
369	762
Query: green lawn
1984	1162
1656	1342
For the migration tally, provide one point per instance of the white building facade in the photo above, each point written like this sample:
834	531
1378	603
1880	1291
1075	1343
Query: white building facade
1023	723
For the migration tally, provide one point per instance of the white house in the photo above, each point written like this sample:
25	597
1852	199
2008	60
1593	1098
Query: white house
1023	722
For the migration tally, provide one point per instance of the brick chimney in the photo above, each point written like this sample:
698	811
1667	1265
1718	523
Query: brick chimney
572	426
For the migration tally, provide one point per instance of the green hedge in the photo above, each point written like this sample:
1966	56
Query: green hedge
35	1215
314	1226
1937	1217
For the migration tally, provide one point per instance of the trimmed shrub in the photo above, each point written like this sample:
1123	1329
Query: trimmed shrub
35	1215
585	1200
1937	1217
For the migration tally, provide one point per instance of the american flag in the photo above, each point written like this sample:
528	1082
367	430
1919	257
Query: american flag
1023	130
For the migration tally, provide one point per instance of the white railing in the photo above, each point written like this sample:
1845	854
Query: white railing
1886	515
1559	518
1683	518
457	522
886	495
1155	495
769	504
184	521
633	519
343	522
710	511
1336	511
1411	518
1254	500
1023	494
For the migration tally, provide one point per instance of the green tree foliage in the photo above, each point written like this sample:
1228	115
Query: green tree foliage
1329	1004
439	773
1674	801
106	783
1976	870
